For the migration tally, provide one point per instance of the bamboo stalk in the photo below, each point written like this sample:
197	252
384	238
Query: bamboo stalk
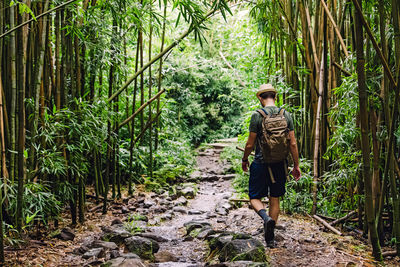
341	68
157	57
344	218
141	108
327	225
317	136
336	28
36	18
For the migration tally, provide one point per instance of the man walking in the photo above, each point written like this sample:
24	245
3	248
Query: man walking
272	132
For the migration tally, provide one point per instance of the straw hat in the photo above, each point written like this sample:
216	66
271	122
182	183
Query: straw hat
265	88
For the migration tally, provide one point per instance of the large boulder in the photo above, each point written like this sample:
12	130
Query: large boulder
243	250
143	247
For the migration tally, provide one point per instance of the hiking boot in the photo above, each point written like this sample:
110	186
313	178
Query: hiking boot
269	226
271	244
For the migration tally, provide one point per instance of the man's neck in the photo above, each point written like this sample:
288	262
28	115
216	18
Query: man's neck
268	102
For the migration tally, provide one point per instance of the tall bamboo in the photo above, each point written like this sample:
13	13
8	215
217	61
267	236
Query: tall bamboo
363	113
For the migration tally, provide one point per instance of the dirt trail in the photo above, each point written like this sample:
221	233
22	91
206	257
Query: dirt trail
301	242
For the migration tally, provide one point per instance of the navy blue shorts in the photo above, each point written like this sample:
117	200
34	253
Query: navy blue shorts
260	184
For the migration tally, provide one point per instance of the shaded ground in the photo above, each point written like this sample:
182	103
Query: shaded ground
301	242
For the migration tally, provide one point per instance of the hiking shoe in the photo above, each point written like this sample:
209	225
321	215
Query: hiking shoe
269	226
271	244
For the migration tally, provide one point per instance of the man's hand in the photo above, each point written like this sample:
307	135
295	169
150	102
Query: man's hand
245	165
296	173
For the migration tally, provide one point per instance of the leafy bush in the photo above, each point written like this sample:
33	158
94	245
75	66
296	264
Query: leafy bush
40	205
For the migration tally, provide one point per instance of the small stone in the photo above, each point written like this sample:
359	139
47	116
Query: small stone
166	216
124	262
94	252
188	238
165	256
114	254
190	226
116	221
66	234
194	212
179	209
181	201
188	192
81	250
280	226
104	244
125	210
130	255
221	211
148	203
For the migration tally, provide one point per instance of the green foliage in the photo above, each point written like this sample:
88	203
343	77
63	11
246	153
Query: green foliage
40	204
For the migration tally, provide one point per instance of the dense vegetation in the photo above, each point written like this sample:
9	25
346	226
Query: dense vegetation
105	95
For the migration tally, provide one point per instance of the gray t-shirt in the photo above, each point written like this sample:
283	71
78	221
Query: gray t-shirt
256	127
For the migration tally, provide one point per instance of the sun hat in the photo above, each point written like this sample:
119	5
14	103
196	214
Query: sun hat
266	88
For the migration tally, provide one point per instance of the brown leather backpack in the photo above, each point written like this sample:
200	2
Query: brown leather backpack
274	141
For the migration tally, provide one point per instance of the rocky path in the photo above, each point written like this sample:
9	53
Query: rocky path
194	226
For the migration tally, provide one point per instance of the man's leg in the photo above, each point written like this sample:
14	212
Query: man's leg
257	204
274	208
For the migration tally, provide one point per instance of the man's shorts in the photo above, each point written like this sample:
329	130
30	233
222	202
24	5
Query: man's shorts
260	184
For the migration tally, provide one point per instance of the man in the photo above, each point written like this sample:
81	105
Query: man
268	179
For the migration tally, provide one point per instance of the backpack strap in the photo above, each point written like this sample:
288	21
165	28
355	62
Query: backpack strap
262	112
281	111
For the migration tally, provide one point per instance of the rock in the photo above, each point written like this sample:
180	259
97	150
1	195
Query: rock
116	221
244	264
210	215
166	216
195	212
179	209
130	256
221	220
154	237
240	236
181	201
143	247
188	192
190	226
243	249
148	203
104	244
116	233
165	256
125	210
157	209
94	252
221	211
81	250
204	233
123	262
280	226
218	241
226	206
278	237
114	254
66	234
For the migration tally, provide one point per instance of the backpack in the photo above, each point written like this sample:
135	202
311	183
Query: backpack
274	141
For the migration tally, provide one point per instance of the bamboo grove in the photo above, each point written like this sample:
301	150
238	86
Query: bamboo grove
81	88
69	96
328	50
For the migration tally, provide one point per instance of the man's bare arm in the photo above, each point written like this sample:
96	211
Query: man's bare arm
295	155
247	150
